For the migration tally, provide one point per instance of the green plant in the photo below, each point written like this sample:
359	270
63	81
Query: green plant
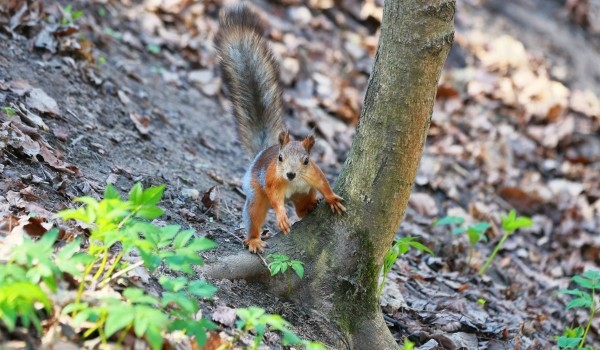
9	111
575	338
153	48
510	223
113	220
70	16
408	345
281	263
400	247
256	319
475	232
30	273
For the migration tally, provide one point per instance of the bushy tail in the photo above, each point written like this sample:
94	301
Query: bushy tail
250	73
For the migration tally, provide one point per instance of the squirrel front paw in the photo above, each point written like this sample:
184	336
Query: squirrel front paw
335	203
284	223
255	245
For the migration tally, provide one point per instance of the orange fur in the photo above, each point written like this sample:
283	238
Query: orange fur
273	194
304	203
281	169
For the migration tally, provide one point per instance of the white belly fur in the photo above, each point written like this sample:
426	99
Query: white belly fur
296	186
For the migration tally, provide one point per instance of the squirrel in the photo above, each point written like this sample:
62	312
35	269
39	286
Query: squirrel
282	169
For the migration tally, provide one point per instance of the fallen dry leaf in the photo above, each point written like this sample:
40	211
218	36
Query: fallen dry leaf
224	315
56	163
141	122
41	102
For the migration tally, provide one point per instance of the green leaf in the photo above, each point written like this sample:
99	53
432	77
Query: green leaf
202	289
449	220
201	243
173	284
74	307
47	241
138	296
421	247
154	337
140	325
149	212
512	223
110	192
186	306
298	267
289	338
592	274
275	267
313	345
481	226
458	230
135	195
75	15
182	238
119	317
153	48
584	282
585	301
568	343
572	292
152	195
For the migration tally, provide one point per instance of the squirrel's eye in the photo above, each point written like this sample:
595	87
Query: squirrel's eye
305	160
280	158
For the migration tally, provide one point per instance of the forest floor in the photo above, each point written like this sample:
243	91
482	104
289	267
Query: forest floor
130	92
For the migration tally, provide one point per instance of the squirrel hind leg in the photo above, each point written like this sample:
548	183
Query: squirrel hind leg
255	211
304	203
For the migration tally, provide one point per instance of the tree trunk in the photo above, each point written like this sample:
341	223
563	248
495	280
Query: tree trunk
343	255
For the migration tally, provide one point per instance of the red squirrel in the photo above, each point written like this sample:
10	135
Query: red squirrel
282	169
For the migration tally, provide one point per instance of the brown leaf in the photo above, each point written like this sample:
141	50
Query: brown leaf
446	90
123	97
519	199
423	203
41	102
20	87
224	315
141	122
56	163
7	223
34	227
211	201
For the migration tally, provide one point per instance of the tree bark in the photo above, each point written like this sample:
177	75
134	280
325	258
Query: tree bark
343	255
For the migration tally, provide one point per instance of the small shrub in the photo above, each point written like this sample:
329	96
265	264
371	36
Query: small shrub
30	274
9	111
281	263
70	16
575	338
510	223
257	320
113	220
400	247
475	232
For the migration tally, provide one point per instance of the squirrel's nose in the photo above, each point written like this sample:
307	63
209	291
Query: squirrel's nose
291	176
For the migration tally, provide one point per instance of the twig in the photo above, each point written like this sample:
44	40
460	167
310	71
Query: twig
263	260
122	272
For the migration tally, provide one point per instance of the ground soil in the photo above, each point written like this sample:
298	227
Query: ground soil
192	145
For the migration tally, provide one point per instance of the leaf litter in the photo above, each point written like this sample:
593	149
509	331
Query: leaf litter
506	132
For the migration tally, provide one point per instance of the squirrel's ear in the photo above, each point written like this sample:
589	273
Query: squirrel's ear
309	142
284	138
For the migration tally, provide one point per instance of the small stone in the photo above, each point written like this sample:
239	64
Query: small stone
190	193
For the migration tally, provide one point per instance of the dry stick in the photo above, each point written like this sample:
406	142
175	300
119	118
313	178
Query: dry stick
111	270
122	272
